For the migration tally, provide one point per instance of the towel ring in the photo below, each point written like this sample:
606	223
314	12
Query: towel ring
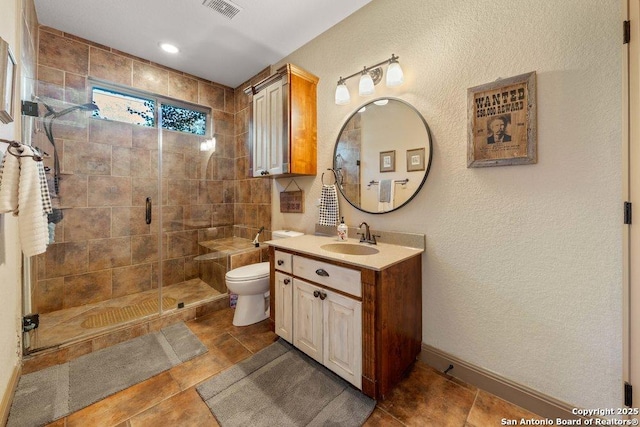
17	145
334	177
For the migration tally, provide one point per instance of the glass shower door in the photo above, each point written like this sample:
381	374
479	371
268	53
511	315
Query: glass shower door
197	206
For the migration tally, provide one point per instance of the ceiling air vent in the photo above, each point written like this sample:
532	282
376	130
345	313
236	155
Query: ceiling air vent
223	7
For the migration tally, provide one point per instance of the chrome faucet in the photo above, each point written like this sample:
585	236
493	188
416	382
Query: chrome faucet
366	237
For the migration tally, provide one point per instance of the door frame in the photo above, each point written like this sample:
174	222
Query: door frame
631	193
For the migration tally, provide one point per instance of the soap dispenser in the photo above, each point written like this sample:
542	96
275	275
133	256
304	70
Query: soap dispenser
342	231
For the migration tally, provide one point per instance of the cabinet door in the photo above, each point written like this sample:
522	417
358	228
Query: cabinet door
275	129
260	133
284	306
343	337
307	319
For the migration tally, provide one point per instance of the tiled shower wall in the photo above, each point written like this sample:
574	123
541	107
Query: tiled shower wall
253	195
103	247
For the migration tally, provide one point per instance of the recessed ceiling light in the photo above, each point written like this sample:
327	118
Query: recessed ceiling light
168	47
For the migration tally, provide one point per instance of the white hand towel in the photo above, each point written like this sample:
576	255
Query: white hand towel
384	190
32	221
386	193
9	181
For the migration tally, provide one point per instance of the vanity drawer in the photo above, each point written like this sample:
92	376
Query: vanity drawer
339	278
283	261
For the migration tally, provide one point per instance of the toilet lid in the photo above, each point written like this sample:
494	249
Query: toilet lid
249	272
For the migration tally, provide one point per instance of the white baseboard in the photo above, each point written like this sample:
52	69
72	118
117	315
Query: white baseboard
508	390
7	396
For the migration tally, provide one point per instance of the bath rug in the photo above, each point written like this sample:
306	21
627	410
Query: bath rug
52	393
281	386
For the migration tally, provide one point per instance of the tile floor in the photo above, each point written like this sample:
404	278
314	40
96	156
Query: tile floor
425	398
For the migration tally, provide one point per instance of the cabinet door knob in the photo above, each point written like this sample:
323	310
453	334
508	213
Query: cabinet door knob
287	281
322	272
280	262
320	294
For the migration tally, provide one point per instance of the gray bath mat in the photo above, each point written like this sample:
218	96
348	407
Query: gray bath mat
280	386
52	393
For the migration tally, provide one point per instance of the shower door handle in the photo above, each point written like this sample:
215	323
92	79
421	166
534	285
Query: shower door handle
148	210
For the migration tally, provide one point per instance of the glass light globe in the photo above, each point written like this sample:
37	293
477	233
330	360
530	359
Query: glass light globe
366	86
342	94
395	76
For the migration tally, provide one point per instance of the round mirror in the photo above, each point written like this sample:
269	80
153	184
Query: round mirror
382	155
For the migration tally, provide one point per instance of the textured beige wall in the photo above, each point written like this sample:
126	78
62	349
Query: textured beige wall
522	272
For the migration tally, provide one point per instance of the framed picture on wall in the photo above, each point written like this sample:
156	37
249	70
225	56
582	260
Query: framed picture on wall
501	122
7	80
388	161
415	160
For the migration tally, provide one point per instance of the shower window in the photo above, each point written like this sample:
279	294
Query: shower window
183	119
134	109
123	107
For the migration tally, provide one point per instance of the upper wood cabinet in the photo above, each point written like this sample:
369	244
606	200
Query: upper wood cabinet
284	123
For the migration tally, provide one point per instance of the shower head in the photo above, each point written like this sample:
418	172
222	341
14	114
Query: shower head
90	106
50	116
52	113
85	107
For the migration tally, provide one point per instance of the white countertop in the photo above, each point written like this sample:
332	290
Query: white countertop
311	245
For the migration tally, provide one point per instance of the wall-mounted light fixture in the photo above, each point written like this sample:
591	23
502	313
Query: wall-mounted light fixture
208	145
369	77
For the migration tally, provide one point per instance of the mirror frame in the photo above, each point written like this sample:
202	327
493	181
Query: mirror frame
427	165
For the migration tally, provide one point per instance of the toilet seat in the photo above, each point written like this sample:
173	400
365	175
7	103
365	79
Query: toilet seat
248	272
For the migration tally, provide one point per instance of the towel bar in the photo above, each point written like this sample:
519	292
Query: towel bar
395	181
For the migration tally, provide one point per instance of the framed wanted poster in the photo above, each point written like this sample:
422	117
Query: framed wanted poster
501	122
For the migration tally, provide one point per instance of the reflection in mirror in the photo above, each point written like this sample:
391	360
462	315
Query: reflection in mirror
382	155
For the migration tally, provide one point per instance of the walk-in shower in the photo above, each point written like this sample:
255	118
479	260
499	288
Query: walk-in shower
155	198
134	202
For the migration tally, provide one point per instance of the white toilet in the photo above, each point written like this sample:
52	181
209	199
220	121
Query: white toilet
251	284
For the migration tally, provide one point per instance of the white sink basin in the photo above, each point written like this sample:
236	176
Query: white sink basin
349	249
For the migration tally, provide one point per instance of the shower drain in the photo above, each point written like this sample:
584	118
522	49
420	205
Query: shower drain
123	314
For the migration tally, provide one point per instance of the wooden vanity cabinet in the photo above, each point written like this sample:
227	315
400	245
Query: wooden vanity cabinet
284	124
391	314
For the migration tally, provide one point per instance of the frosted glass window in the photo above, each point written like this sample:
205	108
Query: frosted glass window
129	108
183	119
123	107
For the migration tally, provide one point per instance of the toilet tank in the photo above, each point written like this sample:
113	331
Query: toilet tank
283	234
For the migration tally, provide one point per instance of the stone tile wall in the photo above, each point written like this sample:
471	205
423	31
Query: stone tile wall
252	195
